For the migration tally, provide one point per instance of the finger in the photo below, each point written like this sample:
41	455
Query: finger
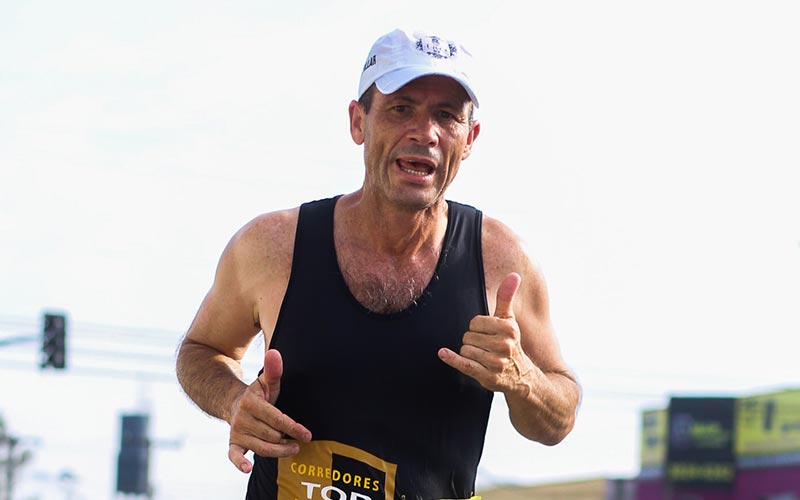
466	366
264	421
270	378
504	307
237	458
248	430
482	357
488	331
286	426
268	434
279	450
478	338
236	452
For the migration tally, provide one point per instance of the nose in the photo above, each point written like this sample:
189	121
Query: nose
424	130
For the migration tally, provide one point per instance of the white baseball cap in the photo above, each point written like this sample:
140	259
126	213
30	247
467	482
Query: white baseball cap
401	56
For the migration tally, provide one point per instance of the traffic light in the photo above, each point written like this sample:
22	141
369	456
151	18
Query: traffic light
54	341
134	455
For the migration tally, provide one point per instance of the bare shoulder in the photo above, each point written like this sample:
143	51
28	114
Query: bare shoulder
504	253
251	278
266	242
262	251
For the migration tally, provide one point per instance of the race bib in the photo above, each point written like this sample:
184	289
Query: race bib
328	470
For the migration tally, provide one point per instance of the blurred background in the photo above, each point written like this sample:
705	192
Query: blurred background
646	152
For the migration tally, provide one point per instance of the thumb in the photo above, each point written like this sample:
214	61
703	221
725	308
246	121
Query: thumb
270	378
505	296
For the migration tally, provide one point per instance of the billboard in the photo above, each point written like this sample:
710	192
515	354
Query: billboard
653	446
768	424
700	449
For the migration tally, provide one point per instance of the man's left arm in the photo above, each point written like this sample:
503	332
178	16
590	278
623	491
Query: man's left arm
515	350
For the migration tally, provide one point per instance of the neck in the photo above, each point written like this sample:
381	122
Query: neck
391	230
387	255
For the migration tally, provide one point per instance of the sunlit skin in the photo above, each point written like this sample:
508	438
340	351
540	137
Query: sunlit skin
391	229
414	141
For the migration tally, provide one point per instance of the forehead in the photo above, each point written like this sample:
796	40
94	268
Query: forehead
436	87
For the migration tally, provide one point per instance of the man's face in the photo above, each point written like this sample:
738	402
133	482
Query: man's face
414	140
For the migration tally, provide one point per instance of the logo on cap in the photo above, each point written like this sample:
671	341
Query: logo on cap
435	47
371	61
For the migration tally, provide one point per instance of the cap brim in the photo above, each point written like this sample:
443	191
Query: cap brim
392	81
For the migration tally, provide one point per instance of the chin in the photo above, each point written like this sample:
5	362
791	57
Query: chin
418	203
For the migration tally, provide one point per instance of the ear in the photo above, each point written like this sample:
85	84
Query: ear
474	130
357	122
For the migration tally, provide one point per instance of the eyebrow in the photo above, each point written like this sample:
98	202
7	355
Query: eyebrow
441	104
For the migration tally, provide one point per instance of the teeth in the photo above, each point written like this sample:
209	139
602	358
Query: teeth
413	172
421	172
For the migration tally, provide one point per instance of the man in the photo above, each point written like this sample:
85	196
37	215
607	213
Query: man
383	354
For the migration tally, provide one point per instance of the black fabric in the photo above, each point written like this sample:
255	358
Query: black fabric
374	381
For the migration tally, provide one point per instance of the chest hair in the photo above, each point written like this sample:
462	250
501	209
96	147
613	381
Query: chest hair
386	285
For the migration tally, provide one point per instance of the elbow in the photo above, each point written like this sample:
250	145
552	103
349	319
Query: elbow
182	373
186	361
562	424
549	425
547	431
558	432
180	360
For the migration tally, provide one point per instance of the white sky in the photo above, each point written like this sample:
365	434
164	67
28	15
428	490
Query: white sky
647	152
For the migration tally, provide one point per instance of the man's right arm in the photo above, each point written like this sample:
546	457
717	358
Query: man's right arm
209	357
248	287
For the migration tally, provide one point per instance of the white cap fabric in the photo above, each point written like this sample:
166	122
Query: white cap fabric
399	57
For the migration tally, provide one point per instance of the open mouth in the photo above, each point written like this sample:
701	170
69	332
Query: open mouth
416	168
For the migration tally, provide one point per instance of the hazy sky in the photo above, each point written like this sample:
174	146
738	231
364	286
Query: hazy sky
646	152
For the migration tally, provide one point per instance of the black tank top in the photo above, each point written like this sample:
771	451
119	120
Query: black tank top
390	420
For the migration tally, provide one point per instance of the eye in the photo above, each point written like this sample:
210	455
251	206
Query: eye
401	108
447	115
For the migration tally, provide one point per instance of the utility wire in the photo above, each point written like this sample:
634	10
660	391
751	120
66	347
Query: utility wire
149	353
126	338
104	373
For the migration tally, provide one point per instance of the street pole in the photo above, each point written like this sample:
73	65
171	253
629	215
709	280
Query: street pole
10	465
12	462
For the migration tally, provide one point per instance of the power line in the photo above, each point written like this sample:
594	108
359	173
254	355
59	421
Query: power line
105	354
149	354
7	341
104	373
17	321
144	354
128	331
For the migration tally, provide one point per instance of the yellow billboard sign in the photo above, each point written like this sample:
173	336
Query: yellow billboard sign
768	424
653	448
